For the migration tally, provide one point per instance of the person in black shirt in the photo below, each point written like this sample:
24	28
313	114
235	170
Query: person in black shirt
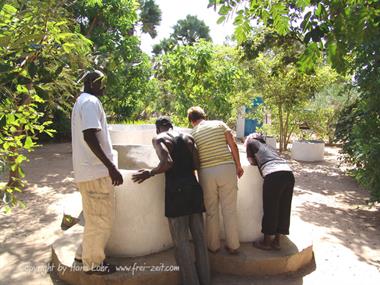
183	199
277	191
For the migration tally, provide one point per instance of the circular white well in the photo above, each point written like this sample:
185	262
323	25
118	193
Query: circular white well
271	141
140	225
135	134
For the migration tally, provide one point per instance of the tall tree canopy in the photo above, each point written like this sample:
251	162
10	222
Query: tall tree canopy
201	74
186	32
111	25
272	60
45	47
150	17
41	56
348	33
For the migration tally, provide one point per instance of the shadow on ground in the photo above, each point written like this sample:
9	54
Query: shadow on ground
333	200
27	233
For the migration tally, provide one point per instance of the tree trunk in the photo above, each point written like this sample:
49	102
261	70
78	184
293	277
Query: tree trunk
281	127
14	175
286	131
290	133
92	26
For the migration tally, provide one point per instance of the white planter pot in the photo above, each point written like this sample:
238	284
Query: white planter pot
271	141
308	150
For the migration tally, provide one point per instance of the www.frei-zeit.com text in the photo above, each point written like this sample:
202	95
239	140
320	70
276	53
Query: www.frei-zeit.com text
134	268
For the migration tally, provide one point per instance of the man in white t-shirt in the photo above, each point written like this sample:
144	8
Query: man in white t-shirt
95	173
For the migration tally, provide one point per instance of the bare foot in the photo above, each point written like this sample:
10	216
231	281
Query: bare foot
261	245
276	245
276	242
232	251
214	251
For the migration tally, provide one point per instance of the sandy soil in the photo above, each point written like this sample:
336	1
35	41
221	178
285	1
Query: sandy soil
327	204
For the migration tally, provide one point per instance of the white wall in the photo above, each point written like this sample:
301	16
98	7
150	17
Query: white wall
141	227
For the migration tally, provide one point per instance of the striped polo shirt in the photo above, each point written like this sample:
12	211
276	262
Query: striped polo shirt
212	145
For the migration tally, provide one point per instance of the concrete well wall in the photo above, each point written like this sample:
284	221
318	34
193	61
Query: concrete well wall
140	227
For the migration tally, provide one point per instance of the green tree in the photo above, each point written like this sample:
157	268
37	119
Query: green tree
40	57
324	109
347	32
150	17
272	60
185	32
190	30
201	74
164	46
286	92
111	25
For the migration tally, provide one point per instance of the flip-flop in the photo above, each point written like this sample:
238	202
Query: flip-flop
259	245
68	221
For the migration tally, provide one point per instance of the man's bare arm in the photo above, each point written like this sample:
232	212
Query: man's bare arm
192	147
235	152
166	162
92	141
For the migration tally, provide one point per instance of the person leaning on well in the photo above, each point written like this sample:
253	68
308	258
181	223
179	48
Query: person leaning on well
277	191
183	199
219	168
95	173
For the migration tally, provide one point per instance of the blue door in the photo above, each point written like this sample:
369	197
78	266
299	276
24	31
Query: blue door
250	125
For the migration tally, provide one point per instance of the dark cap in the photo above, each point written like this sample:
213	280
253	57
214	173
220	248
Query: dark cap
164	121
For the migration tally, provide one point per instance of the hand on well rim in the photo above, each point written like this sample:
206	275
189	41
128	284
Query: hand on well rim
141	176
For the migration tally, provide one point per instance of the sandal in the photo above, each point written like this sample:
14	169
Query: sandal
68	221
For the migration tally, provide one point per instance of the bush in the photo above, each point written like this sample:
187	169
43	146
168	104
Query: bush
359	129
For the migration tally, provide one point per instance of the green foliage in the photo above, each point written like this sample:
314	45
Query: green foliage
20	128
150	16
107	22
338	27
324	109
164	46
111	26
186	32
39	57
347	33
190	30
272	60
358	128
60	122
129	88
202	74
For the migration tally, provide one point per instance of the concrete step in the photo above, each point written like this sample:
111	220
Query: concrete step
160	268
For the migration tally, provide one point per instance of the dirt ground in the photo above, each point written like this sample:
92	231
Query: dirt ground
327	204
